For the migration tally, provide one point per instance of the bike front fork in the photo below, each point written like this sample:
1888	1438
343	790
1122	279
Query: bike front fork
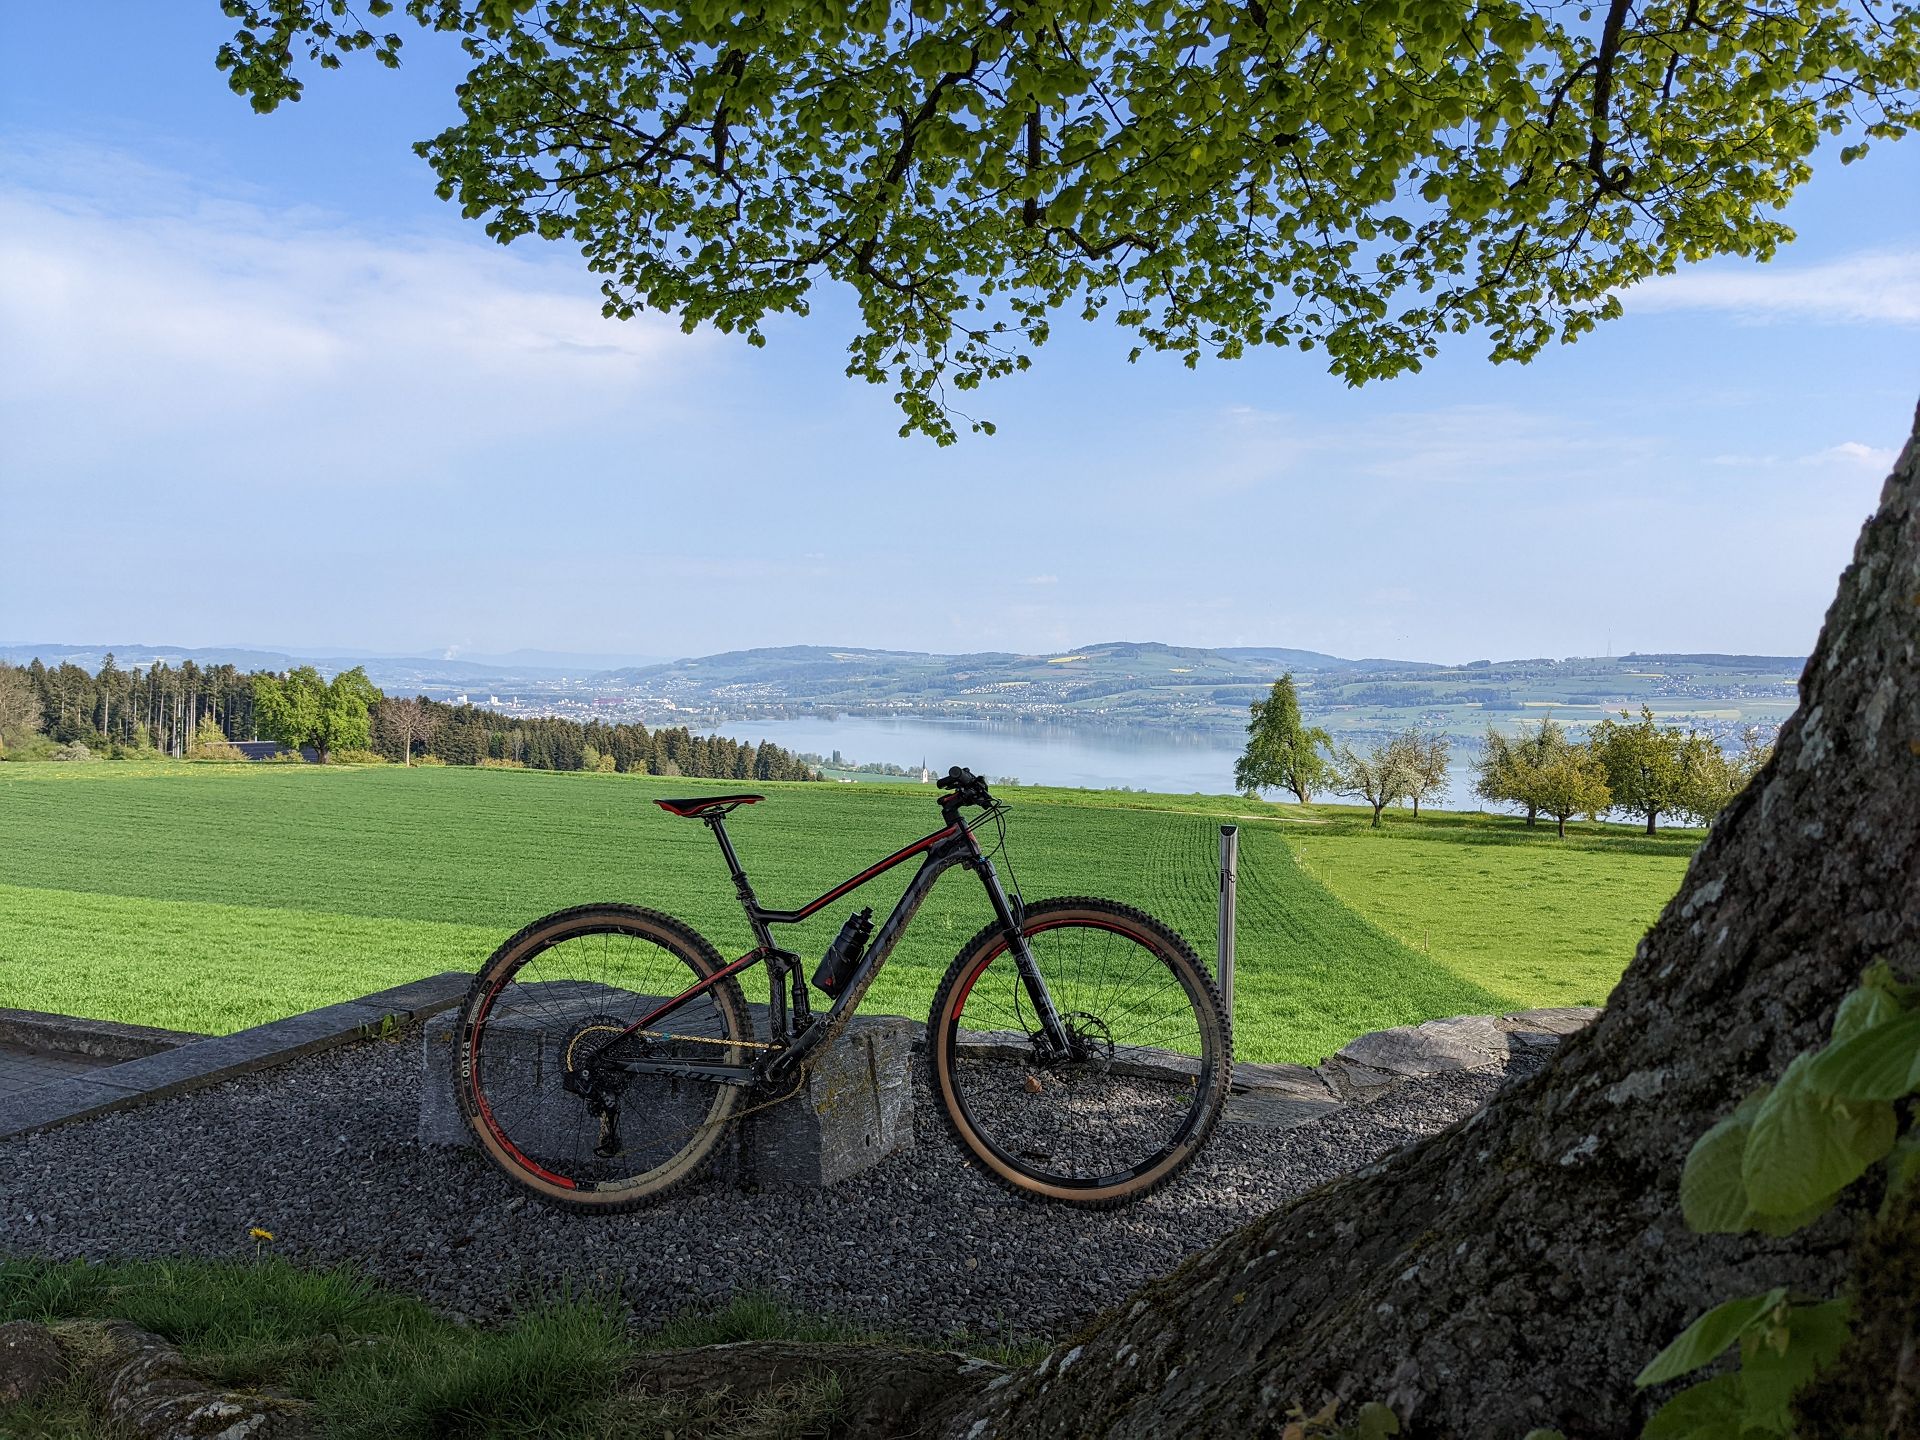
1051	1025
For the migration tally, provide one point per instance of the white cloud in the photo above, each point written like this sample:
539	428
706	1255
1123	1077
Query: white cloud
1849	456
1872	288
153	311
1857	455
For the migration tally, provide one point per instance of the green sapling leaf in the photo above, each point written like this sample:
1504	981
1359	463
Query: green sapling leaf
1880	1061
1806	1147
1711	1410
1705	1339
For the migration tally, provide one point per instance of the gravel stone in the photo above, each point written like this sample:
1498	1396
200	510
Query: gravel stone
322	1153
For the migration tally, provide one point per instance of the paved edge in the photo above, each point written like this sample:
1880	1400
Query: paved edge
1367	1067
108	1040
1281	1096
203	1062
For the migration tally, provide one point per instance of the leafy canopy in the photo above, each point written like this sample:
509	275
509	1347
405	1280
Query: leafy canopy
1283	753
300	709
1364	178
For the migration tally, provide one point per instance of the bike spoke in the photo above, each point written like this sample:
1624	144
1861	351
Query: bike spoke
1130	1089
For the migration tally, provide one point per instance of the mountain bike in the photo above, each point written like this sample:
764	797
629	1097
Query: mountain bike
1077	1049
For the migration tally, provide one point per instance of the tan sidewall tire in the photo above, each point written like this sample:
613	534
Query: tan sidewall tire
1107	914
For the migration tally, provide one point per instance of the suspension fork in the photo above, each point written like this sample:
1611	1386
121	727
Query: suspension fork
1051	1025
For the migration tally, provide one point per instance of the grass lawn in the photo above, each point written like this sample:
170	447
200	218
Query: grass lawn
1536	919
213	897
380	1365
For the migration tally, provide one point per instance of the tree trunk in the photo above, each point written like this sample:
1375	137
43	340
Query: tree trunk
1519	1269
1561	825
1653	815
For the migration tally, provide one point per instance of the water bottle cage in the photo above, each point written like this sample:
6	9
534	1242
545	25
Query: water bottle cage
844	954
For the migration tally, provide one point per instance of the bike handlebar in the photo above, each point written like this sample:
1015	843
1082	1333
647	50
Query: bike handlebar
967	787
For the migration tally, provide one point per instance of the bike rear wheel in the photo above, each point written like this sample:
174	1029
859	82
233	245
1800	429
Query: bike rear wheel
536	1014
1152	1055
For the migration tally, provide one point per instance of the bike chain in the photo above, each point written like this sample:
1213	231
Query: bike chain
799	1080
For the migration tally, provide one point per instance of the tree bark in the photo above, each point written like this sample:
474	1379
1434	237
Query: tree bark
1519	1269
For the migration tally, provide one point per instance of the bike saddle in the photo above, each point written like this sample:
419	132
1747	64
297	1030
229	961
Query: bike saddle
702	804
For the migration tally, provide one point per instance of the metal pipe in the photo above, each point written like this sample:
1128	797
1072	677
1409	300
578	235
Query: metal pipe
1229	894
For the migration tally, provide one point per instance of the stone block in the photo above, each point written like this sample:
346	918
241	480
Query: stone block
855	1109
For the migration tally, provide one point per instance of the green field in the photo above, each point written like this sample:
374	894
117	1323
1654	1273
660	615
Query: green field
213	897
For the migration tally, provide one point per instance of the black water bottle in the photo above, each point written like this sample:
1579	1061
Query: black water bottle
845	952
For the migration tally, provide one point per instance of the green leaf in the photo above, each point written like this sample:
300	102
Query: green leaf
1806	1147
1713	1196
1773	1370
1375	1421
1703	1340
1878	1062
1711	1410
1862	1009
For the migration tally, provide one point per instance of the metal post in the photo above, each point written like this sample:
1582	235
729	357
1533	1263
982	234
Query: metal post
1229	888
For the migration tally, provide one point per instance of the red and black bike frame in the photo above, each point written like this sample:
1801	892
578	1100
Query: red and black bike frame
798	1032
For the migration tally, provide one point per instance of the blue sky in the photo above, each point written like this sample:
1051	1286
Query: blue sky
260	386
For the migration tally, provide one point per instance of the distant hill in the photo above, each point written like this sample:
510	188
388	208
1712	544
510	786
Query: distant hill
1135	684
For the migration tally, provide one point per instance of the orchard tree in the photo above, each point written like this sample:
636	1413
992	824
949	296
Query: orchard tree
1362	180
1282	753
1652	769
1570	781
1379	775
302	710
1423	761
1505	763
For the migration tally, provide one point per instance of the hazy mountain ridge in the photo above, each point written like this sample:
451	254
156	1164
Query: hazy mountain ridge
1136	684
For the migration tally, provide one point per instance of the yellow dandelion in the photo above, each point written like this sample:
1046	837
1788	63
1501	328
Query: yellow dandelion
258	1234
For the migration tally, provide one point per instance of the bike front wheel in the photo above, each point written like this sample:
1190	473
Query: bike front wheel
549	1017
1145	1077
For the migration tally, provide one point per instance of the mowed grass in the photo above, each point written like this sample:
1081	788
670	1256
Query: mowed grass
1537	919
213	897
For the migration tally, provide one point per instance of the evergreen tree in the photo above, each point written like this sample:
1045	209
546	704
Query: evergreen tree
1282	753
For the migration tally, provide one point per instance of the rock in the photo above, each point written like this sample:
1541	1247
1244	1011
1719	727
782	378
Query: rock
1561	1020
855	1110
31	1361
1384	1057
147	1393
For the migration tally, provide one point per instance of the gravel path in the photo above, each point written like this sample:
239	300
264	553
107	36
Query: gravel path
321	1152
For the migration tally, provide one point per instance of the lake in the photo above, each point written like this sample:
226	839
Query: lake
1176	762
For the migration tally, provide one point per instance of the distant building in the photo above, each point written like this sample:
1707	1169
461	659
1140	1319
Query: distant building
272	750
